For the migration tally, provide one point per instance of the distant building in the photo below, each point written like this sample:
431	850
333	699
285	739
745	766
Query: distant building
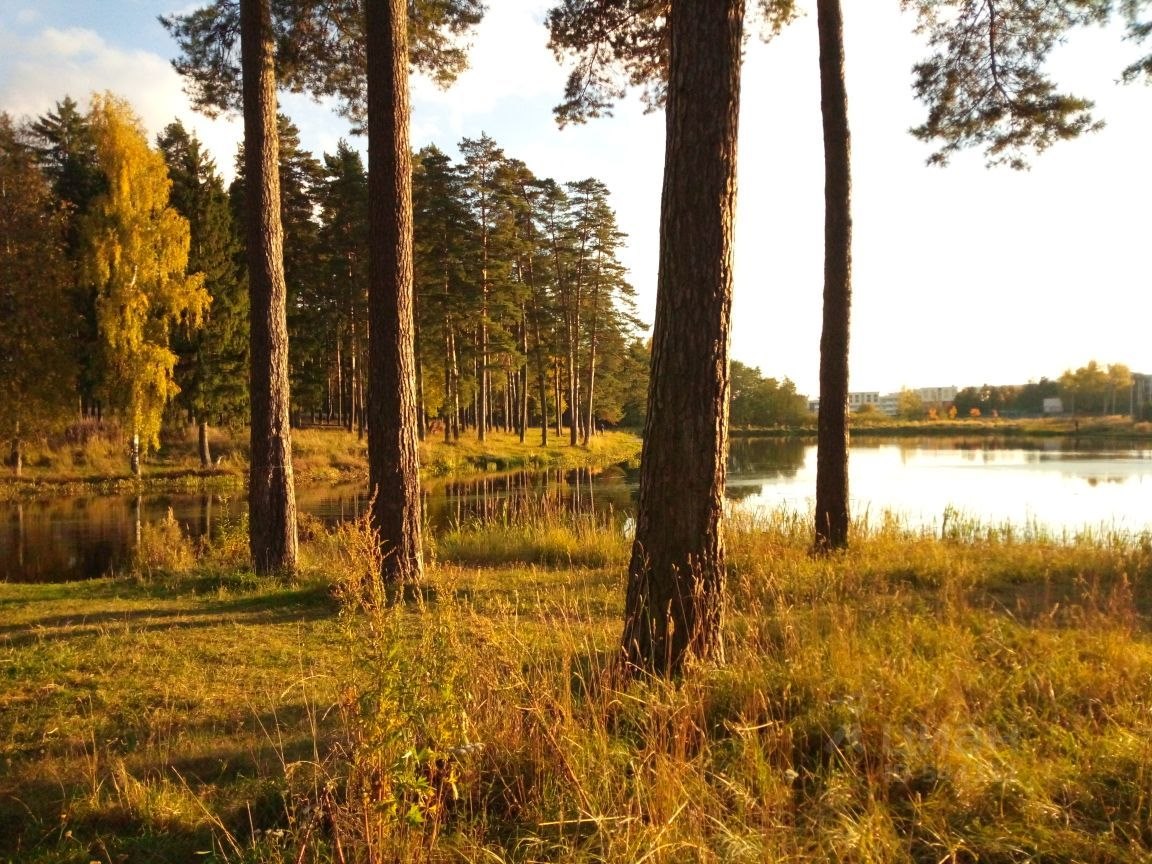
936	397
1053	405
889	403
940	398
856	401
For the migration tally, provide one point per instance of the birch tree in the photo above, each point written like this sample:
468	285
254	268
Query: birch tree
135	251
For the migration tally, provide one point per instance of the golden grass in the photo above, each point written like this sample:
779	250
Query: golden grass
972	697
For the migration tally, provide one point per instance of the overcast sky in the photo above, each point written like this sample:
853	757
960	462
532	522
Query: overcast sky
962	275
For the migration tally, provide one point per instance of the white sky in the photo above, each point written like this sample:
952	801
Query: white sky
962	275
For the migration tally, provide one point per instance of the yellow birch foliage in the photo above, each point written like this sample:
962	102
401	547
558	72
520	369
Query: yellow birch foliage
136	256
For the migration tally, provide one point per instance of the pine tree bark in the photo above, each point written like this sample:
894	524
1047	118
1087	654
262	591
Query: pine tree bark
675	597
556	388
832	515
573	382
593	336
421	415
522	377
393	455
271	488
17	453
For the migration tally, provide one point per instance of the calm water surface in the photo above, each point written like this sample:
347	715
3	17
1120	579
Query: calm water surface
1059	486
1056	485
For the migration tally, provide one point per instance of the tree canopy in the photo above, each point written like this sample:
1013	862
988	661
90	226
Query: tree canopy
136	255
37	369
986	83
319	48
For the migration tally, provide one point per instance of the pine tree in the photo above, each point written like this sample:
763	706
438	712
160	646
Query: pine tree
675	596
554	219
393	455
484	191
213	364
342	317
442	225
37	369
317	47
135	251
272	536
832	517
63	142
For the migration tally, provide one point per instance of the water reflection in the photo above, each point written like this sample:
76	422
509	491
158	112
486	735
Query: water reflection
67	538
753	461
528	496
60	539
1058	485
1061	485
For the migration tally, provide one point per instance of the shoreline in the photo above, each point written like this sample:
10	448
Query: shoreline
337	457
1089	428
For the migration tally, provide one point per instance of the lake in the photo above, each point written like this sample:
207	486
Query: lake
1058	486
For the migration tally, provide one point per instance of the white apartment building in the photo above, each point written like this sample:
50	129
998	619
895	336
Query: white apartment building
931	397
889	403
936	397
856	401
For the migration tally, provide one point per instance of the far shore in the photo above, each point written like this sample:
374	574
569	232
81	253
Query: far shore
328	456
1049	427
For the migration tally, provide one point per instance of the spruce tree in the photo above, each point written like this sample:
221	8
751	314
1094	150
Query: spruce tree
37	369
213	360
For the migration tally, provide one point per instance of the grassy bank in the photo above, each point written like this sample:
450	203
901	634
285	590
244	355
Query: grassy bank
99	461
1040	427
975	697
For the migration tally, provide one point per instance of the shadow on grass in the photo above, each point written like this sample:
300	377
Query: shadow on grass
309	603
242	791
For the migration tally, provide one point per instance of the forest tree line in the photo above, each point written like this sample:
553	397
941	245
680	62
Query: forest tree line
524	315
1089	390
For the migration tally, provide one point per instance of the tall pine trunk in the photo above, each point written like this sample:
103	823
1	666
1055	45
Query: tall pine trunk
675	597
556	388
353	375
17	452
447	411
542	375
393	455
271	490
593	335
522	376
421	416
573	378
832	423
